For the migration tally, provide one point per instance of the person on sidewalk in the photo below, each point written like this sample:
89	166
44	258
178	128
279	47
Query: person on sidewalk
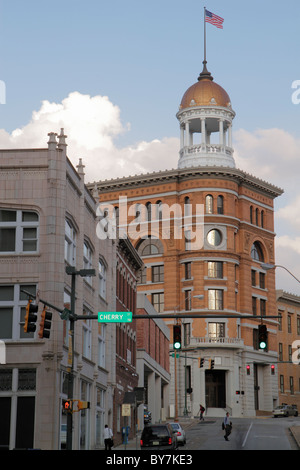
108	434
227	426
202	409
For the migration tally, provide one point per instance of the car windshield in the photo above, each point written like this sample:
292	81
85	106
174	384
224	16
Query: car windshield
155	431
279	407
175	426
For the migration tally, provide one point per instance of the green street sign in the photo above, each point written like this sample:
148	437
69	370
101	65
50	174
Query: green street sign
115	317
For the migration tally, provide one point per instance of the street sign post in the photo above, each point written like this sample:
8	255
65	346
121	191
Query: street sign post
115	317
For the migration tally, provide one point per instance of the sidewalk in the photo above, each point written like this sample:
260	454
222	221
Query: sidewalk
295	430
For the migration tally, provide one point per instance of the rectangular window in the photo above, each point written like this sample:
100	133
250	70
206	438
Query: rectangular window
263	307
216	330
13	309
253	277
188	270
188	299
280	352
289	325
292	385
280	321
282	384
102	279
262	282
18	231
158	273
215	269
254	306
215	299
157	301
87	260
70	243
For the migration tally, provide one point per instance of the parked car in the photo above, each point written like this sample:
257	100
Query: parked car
285	410
158	437
181	437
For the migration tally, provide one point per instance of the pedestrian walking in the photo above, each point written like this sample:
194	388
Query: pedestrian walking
108	435
202	409
227	426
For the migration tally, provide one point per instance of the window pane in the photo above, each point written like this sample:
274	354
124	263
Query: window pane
5	380
7	239
6	316
29	216
7	216
27	379
6	293
29	239
31	288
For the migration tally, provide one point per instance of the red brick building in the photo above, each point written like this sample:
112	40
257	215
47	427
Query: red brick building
226	268
128	265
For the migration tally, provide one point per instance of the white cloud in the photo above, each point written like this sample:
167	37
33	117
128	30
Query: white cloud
92	124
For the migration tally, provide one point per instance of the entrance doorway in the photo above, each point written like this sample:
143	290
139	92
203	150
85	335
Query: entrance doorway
215	392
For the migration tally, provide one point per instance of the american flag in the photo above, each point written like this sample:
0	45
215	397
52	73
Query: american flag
214	19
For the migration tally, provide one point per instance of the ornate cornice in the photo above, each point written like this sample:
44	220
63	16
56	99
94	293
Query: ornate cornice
179	174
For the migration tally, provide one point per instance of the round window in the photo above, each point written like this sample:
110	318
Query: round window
214	237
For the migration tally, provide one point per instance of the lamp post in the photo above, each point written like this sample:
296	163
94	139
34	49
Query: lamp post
267	267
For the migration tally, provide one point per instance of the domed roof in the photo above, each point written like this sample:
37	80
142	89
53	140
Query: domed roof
205	93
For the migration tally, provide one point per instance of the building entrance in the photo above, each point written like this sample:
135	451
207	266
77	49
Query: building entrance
215	392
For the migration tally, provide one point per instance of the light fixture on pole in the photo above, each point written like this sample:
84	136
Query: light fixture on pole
268	266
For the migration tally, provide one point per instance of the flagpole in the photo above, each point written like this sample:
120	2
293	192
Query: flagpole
204	36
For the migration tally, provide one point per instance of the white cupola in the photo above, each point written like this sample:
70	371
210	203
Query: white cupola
205	116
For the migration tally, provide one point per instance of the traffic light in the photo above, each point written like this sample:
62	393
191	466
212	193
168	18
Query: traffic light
262	337
200	361
212	364
67	406
82	405
272	369
30	317
248	369
177	336
45	324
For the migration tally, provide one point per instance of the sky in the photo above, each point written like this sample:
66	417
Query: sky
112	74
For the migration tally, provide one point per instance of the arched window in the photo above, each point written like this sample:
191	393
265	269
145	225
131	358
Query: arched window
148	207
158	207
220	205
262	217
187	209
257	252
150	246
209	204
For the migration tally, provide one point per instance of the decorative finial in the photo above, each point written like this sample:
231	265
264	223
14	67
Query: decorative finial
205	73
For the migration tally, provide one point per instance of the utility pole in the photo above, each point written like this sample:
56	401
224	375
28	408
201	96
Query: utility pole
72	318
